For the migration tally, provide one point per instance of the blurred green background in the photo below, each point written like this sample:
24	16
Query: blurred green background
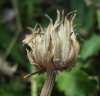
16	16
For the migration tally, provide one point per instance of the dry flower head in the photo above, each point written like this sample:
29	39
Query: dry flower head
55	47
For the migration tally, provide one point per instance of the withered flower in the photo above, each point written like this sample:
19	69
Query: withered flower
53	49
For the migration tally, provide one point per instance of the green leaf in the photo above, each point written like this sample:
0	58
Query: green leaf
98	17
90	47
75	83
7	94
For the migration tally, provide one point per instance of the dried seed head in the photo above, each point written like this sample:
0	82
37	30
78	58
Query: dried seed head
55	47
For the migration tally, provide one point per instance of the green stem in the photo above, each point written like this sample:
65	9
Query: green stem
33	84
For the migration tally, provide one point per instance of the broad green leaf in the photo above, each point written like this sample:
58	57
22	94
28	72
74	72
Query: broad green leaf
98	17
75	83
90	47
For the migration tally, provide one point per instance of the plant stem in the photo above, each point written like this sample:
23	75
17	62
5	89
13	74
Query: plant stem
33	84
49	82
18	31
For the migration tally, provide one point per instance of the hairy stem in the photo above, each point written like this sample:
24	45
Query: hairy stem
48	84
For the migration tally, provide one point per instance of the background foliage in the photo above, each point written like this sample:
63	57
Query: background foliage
83	80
